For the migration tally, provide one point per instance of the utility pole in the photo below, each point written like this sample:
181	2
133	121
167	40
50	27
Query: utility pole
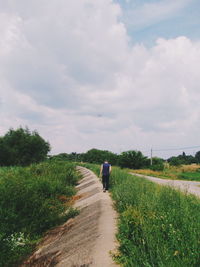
151	156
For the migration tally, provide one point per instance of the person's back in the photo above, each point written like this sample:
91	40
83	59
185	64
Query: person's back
106	169
105	172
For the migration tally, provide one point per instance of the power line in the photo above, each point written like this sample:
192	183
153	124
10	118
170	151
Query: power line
180	148
150	151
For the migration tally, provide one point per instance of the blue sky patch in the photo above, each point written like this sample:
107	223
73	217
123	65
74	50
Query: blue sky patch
146	21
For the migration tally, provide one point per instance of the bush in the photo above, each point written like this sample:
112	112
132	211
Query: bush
21	148
31	201
157	167
133	160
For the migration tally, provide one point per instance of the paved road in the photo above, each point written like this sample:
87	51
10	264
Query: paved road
86	240
185	186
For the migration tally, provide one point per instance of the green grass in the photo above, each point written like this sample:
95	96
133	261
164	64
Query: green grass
30	203
192	176
157	226
183	172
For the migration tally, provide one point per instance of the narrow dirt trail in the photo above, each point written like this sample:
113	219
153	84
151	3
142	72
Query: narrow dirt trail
190	187
86	240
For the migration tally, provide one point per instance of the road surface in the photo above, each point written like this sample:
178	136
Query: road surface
190	187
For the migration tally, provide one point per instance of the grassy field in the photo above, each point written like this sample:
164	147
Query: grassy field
184	172
32	200
158	226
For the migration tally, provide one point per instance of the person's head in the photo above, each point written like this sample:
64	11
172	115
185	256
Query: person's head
105	161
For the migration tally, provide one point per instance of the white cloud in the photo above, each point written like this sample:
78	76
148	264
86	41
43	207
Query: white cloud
68	70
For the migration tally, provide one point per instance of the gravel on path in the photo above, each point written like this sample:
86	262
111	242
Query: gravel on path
190	187
87	239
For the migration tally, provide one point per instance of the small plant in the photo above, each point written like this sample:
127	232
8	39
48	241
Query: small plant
17	240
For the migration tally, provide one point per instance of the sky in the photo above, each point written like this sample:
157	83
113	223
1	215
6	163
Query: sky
115	75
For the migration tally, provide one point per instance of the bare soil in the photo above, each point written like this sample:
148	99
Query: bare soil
86	240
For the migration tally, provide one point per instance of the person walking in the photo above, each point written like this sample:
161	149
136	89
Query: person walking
105	173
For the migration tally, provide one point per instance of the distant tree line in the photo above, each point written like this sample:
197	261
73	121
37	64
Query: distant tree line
21	147
129	159
184	159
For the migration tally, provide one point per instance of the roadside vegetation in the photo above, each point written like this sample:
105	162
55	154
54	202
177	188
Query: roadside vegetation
32	200
182	172
157	226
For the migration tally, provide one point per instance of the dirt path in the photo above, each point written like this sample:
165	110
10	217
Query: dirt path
85	240
185	186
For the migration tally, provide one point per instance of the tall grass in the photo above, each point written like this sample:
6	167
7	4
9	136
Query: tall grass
30	203
158	226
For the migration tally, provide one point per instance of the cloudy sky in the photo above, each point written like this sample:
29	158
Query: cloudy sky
109	74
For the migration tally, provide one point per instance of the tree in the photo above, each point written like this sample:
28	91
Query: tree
175	161
158	164
182	159
197	157
133	159
99	156
22	147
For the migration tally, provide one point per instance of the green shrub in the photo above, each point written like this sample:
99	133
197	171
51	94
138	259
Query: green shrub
133	159
30	204
157	167
21	147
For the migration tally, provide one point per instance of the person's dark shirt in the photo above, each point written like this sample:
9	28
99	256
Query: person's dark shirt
106	168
